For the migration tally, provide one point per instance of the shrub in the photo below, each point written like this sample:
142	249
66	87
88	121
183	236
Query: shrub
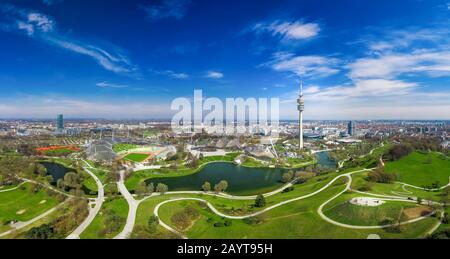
219	224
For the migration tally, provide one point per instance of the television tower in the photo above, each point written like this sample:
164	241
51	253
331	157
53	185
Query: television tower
301	108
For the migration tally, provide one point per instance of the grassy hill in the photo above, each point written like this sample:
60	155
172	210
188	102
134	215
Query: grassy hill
421	169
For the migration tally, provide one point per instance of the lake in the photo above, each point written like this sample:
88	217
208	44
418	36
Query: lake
57	171
241	180
323	159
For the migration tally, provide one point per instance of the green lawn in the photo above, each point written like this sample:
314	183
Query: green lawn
137	158
295	220
342	211
97	229
397	189
421	169
23	205
123	147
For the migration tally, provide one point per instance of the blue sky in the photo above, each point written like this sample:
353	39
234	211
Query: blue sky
130	59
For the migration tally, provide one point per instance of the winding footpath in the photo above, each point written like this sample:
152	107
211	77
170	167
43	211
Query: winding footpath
319	210
14	188
92	211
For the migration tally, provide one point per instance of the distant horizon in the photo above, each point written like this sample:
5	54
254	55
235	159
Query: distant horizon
169	119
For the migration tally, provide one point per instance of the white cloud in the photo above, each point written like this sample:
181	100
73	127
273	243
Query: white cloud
401	39
369	99
289	30
105	84
214	75
311	66
365	88
177	75
42	27
432	63
311	90
47	106
41	21
171	73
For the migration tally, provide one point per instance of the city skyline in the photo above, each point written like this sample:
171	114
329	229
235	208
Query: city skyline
385	61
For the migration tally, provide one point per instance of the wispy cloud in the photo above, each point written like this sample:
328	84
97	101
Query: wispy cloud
165	9
310	66
45	106
289	30
171	74
42	27
214	75
106	84
394	40
430	62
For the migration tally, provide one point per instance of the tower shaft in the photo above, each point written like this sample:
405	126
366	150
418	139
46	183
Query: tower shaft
301	108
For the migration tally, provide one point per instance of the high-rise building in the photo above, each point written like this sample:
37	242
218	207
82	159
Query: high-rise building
59	123
351	128
301	108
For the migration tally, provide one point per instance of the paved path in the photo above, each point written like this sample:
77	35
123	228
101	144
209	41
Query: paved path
390	198
425	189
92	211
319	211
15	188
155	211
132	208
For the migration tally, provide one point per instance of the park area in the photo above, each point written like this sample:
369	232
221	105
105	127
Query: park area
23	204
421	169
136	157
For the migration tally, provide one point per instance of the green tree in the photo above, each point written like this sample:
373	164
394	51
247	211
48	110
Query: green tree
72	180
162	188
150	188
221	186
206	187
152	224
287	177
141	189
260	201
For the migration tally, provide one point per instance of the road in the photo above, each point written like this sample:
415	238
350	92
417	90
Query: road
133	204
92	211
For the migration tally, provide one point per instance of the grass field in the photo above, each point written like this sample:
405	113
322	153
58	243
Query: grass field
342	211
137	158
123	147
421	169
23	205
294	220
97	229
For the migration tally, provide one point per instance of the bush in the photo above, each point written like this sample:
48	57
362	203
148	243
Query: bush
379	176
289	189
219	224
228	223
